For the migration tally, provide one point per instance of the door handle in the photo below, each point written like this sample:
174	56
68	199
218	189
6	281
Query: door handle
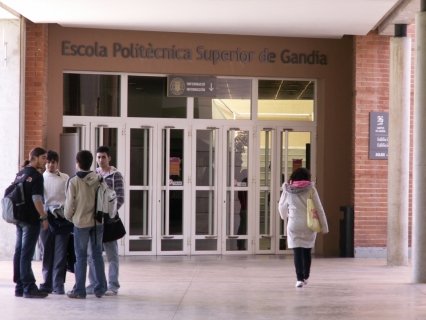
168	237
210	237
145	237
266	236
233	237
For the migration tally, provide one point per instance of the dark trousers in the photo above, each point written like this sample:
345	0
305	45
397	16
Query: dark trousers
54	260
26	241
302	262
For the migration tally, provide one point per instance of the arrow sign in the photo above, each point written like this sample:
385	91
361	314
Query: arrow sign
191	86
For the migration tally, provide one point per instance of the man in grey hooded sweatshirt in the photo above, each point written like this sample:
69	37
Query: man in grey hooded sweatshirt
80	209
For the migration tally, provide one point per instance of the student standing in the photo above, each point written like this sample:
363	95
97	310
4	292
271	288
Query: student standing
115	181
293	205
54	242
27	232
80	210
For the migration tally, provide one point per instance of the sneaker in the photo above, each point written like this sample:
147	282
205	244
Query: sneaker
45	290
305	282
110	293
73	295
98	295
19	294
89	292
299	284
58	292
36	294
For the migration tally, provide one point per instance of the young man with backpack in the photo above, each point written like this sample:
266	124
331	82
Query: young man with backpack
115	181
28	229
54	241
80	210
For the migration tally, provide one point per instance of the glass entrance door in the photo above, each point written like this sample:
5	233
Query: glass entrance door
205	221
140	168
295	151
173	221
238	208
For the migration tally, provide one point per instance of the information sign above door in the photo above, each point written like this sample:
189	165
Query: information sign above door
191	86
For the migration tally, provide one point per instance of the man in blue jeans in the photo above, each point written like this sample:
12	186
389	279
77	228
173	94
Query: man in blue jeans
115	181
27	231
80	209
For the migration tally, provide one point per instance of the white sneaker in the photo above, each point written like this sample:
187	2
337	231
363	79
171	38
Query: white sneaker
110	293
305	282
299	284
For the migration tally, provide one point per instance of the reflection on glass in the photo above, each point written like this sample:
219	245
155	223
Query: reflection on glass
232	102
298	151
174	162
205	156
91	95
265	157
140	245
171	245
176	212
265	244
107	137
265	213
205	244
147	98
286	100
204	206
237	158
139	157
139	218
235	244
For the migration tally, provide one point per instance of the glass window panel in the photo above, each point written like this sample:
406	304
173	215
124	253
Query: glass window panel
205	244
176	212
283	244
147	98
139	157
265	213
108	137
171	245
240	154
265	157
265	244
232	102
205	157
236	244
91	95
287	100
140	245
298	151
204	206
139	218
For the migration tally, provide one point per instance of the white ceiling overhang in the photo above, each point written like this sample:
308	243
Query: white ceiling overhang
284	18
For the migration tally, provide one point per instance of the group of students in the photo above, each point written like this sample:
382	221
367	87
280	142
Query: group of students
75	197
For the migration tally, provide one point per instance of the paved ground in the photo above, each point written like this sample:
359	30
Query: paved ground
233	287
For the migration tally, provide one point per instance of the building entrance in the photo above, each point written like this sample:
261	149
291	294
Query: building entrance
200	189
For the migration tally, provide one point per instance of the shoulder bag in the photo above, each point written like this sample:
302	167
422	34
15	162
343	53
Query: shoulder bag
313	221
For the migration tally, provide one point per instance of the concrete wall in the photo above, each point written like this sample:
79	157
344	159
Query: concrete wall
9	121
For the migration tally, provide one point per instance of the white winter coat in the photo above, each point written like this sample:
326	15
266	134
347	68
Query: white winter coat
292	205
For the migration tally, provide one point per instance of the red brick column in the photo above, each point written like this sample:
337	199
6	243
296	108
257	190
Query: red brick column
371	81
36	64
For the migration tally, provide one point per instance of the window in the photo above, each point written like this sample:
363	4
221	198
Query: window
91	95
232	102
147	98
286	100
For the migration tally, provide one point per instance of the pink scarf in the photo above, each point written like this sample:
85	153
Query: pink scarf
300	184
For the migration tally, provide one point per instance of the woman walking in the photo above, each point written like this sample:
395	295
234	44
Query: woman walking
293	205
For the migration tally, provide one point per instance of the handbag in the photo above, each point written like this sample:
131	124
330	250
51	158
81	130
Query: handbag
114	230
313	221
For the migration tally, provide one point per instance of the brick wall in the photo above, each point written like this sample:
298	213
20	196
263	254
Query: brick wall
35	86
372	60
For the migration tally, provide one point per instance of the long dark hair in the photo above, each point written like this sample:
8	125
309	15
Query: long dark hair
300	174
34	153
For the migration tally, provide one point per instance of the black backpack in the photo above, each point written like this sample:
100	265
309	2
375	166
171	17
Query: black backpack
13	204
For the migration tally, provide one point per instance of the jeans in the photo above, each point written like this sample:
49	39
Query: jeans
83	238
54	261
302	262
26	241
111	250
